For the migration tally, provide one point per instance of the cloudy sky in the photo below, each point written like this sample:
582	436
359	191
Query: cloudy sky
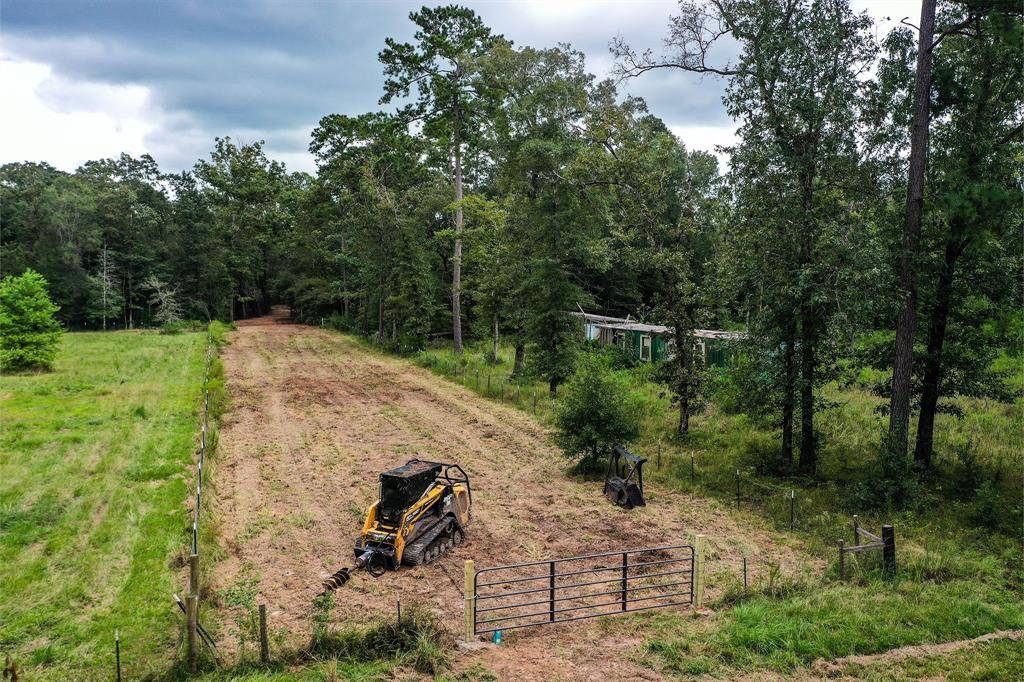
85	79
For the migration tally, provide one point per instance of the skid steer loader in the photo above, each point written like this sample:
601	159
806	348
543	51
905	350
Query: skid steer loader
422	513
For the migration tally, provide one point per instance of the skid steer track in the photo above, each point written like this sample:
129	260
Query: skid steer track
438	540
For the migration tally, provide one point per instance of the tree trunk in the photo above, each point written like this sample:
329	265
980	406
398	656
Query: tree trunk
457	256
932	379
808	447
106	285
788	396
683	361
518	366
496	339
128	303
380	318
344	280
906	322
684	412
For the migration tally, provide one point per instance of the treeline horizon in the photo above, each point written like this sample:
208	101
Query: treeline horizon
515	187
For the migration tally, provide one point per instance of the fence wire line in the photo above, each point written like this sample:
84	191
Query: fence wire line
202	445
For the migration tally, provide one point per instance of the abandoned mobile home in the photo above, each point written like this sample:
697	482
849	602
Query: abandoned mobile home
653	342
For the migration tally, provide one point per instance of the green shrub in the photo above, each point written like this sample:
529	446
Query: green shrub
417	640
340	323
967	473
179	326
988	510
219	332
29	333
890	482
615	355
599	408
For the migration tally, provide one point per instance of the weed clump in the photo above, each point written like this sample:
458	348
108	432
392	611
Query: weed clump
417	640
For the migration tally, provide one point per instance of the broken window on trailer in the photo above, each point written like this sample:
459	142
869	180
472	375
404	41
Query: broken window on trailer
645	347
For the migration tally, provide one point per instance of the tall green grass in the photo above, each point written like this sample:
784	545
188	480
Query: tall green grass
984	442
490	378
830	621
957	578
95	466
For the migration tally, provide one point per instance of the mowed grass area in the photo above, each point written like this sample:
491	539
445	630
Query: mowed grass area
95	467
957	579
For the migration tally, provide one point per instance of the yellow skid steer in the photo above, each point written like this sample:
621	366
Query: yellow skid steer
422	513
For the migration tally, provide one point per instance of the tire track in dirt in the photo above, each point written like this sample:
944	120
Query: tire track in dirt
315	417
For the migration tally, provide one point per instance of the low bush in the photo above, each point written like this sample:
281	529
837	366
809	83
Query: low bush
417	640
599	408
179	326
889	483
219	332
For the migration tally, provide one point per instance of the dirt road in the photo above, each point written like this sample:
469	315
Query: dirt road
315	417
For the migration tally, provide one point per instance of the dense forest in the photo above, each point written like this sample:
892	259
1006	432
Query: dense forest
502	187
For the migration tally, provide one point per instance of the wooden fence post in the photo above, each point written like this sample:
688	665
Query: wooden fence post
468	591
856	530
842	560
792	509
698	571
264	640
10	669
889	550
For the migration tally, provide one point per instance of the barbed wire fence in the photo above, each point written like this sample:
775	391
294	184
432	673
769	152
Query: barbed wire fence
194	629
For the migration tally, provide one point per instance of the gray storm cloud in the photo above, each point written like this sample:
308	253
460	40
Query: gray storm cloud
270	70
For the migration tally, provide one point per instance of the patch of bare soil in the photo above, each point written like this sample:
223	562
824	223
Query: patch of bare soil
314	419
837	667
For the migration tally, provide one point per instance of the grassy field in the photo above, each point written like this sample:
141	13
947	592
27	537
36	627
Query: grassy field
94	472
958	578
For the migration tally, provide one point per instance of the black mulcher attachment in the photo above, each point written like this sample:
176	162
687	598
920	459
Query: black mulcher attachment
422	513
619	486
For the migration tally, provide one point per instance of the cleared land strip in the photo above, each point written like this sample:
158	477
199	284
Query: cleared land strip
314	418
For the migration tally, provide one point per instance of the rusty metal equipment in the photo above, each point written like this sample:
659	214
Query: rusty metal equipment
619	485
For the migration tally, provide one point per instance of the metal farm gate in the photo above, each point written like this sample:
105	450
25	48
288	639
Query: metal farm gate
588	586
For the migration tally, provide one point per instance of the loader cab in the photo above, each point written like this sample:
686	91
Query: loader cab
402	487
